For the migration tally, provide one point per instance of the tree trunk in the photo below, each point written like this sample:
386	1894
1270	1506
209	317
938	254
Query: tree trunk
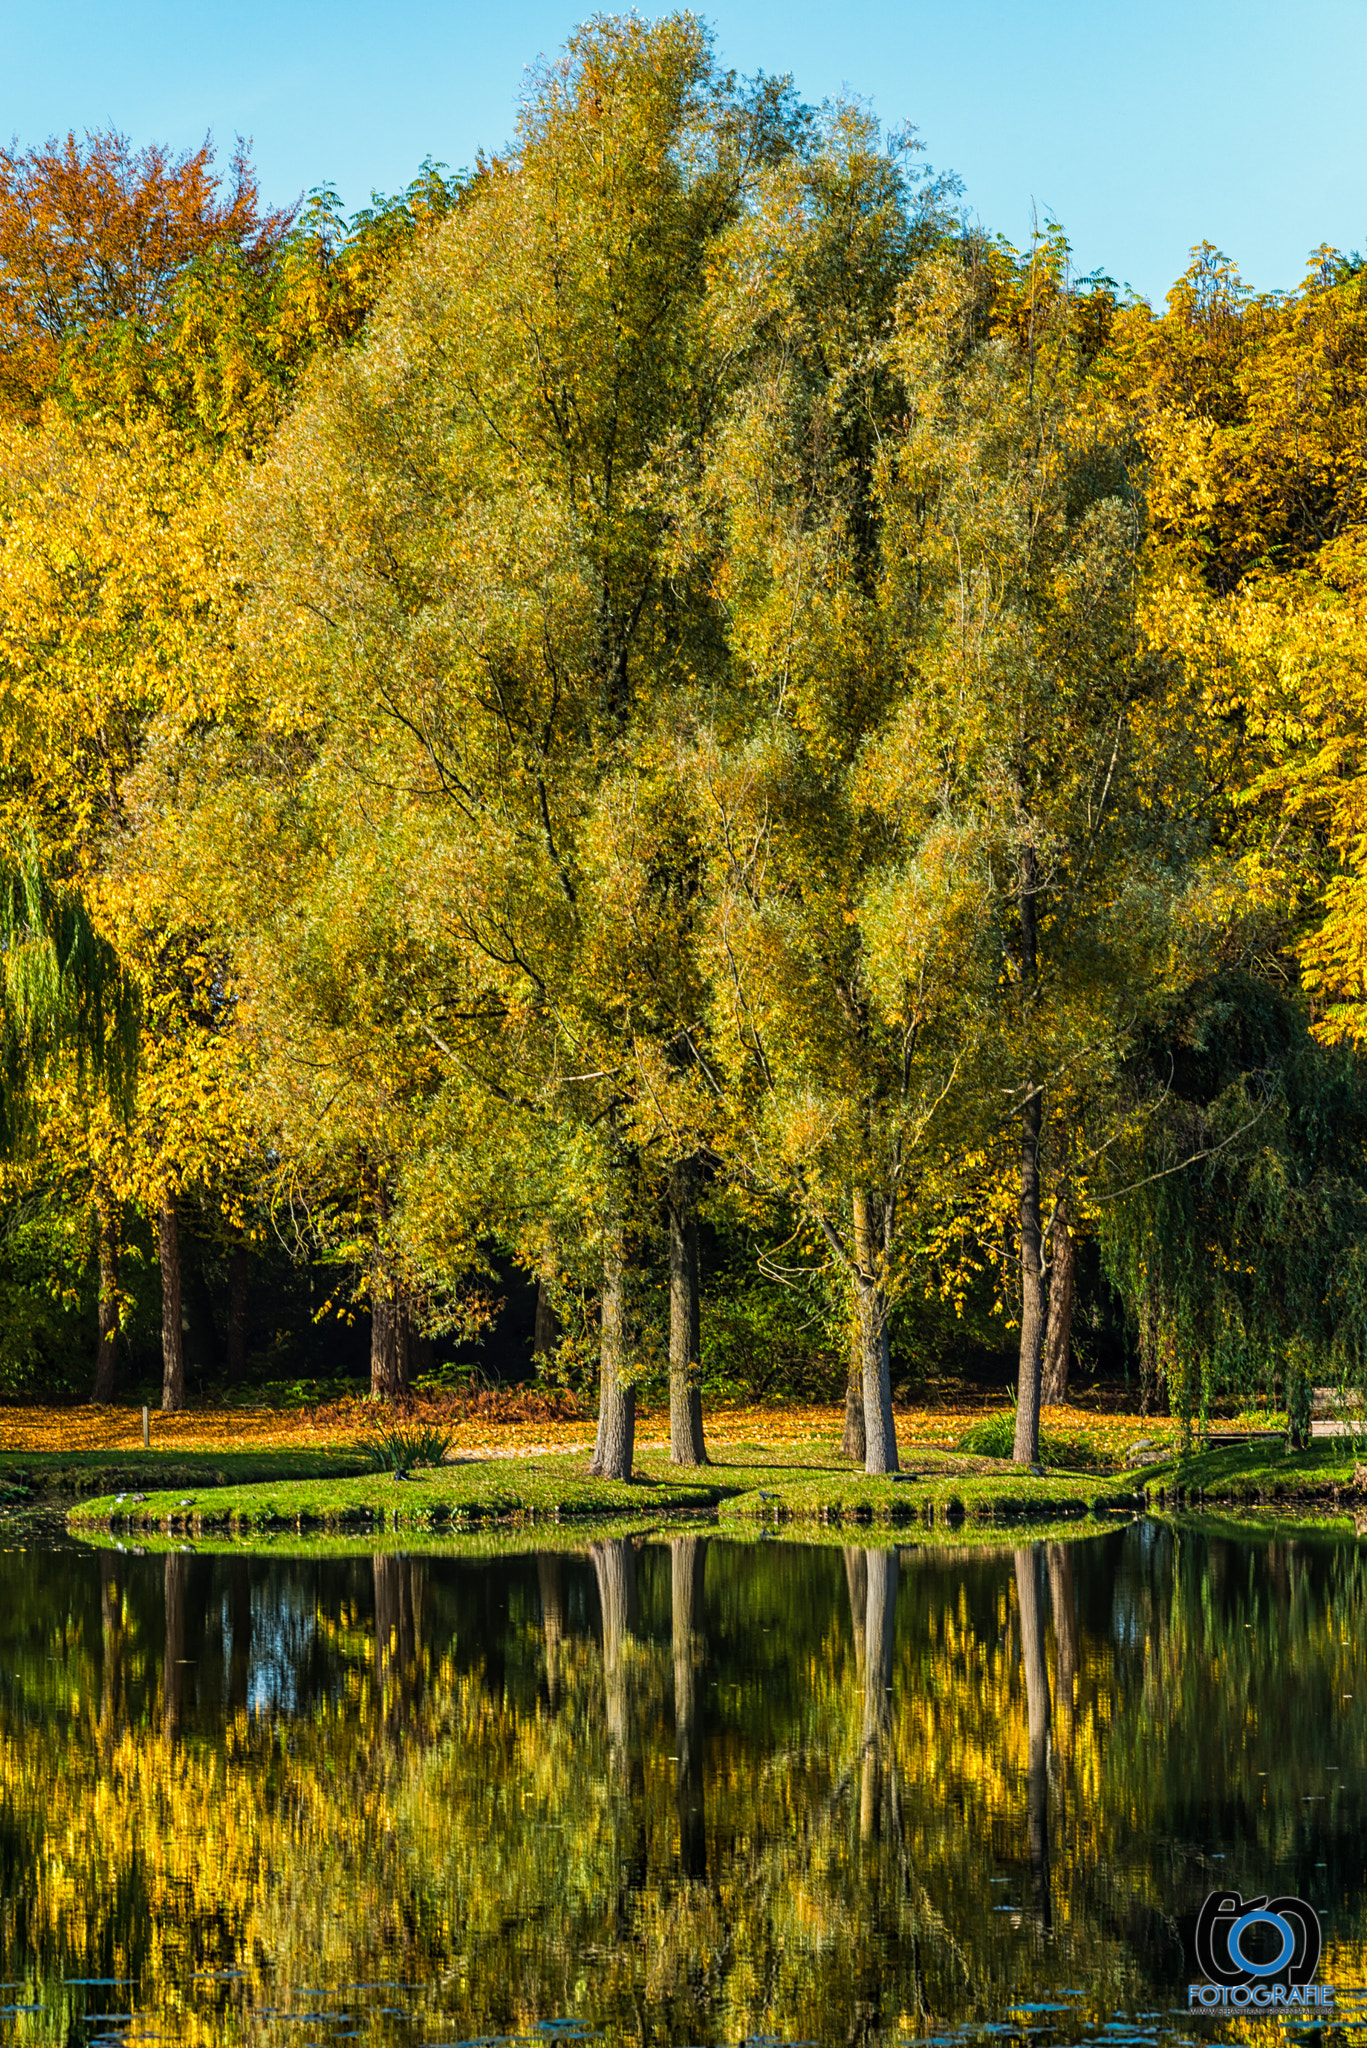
688	1560
615	1447
172	1339
389	1341
239	1275
106	1357
1037	1712
1034	1302
686	1446
173	1652
852	1444
546	1328
1299	1394
550	1573
614	1564
880	1451
1059	1334
880	1628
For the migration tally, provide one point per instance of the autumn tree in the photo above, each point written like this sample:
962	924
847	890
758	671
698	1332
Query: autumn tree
96	241
829	1072
463	569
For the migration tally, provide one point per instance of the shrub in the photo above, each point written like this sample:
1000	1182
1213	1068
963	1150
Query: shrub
394	1449
994	1436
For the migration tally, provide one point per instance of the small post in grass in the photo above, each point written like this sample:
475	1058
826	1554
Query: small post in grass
146	1428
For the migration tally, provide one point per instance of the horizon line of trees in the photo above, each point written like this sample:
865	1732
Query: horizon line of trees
669	676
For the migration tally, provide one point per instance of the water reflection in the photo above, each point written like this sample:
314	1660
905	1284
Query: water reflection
679	1791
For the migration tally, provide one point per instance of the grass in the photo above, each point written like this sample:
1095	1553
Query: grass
29	1475
1261	1472
306	1470
799	1481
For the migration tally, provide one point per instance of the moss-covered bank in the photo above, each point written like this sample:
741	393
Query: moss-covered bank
1262	1472
807	1482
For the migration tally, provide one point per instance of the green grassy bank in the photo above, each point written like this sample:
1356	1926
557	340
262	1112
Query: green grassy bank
47	1475
800	1482
1265	1472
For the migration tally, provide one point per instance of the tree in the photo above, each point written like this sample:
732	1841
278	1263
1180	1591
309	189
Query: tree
69	1031
96	240
832	996
467	595
141	284
1070	740
1059	1328
1251	409
1235	1228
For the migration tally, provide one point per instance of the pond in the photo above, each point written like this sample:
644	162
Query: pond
684	1790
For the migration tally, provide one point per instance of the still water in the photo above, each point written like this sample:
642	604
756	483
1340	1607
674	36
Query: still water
684	1791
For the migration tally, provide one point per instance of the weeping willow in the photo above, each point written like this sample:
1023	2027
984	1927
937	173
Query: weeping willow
66	1004
1236	1231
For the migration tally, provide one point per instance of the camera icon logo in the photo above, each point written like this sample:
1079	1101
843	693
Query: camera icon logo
1257	1941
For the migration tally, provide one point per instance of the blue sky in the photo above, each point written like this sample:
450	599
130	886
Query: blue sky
1143	128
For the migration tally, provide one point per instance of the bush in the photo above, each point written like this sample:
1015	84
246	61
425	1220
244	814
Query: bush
394	1449
994	1436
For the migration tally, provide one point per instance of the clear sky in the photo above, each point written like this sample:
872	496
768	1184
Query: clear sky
1143	128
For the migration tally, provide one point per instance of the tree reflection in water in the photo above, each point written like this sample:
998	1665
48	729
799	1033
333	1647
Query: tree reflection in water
690	1790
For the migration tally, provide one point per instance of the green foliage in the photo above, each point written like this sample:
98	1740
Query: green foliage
761	1339
393	1448
45	1297
667	651
1237	1230
65	998
994	1436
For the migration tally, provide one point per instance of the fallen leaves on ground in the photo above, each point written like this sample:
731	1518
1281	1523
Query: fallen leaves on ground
483	1426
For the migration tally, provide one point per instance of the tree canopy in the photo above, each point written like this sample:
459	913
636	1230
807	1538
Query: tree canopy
670	682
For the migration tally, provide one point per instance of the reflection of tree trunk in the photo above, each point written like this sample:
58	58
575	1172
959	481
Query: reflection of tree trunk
857	1579
615	1447
240	1621
1059	1335
686	1446
107	1223
239	1276
111	1646
550	1573
852	1443
614	1564
880	1629
398	1595
173	1584
172	1342
880	1433
1037	1709
1065	1631
688	1559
